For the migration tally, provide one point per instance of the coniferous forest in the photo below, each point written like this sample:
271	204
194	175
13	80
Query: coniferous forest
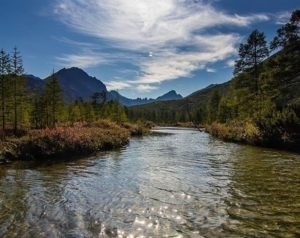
260	105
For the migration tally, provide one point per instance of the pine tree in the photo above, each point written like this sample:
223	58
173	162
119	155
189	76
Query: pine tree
252	53
18	85
214	106
89	113
74	113
38	112
53	100
288	33
4	71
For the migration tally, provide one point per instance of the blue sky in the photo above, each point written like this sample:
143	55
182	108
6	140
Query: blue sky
142	48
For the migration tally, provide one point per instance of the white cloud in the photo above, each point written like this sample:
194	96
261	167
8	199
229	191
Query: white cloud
159	29
145	24
230	63
84	61
117	85
210	70
145	88
171	65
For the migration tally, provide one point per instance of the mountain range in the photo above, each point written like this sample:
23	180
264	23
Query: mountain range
76	83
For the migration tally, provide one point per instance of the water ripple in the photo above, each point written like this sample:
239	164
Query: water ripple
182	184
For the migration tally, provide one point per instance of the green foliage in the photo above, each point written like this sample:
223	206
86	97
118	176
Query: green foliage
252	53
288	33
18	87
113	111
213	106
5	68
53	101
14	103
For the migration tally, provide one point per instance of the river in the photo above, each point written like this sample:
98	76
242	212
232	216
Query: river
177	183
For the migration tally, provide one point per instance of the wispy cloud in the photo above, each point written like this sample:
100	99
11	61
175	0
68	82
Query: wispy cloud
145	24
282	17
144	88
117	85
211	70
230	63
76	43
84	61
157	28
172	64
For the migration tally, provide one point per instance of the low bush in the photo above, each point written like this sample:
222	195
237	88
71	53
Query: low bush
61	141
245	132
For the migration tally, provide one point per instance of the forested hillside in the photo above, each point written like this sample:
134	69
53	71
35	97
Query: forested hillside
260	105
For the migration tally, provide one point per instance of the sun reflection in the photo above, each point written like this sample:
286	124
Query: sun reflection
141	222
120	233
102	231
150	225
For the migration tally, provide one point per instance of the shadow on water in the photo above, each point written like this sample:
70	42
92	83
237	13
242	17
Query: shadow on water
264	193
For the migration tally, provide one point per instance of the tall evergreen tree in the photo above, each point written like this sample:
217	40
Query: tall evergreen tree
53	99
4	71
38	112
214	106
18	85
252	53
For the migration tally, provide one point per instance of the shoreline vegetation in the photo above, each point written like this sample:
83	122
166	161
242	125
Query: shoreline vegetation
249	134
77	140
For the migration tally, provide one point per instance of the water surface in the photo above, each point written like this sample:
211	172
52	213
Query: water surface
180	184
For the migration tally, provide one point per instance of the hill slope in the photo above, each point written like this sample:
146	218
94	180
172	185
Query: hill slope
173	111
264	111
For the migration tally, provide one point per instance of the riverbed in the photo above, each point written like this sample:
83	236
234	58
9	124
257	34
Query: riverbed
174	183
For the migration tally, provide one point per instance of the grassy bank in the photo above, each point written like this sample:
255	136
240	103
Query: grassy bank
69	140
248	133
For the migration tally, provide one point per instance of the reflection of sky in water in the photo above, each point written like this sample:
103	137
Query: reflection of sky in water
181	184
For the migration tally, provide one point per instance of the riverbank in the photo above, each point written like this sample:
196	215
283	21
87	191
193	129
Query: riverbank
249	133
78	139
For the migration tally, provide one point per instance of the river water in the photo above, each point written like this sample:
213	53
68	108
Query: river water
181	183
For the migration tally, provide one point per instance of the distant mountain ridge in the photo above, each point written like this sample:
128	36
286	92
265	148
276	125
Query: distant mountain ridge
172	95
77	84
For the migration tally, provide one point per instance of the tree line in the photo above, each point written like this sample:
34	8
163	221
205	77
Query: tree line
262	86
12	86
263	90
22	110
